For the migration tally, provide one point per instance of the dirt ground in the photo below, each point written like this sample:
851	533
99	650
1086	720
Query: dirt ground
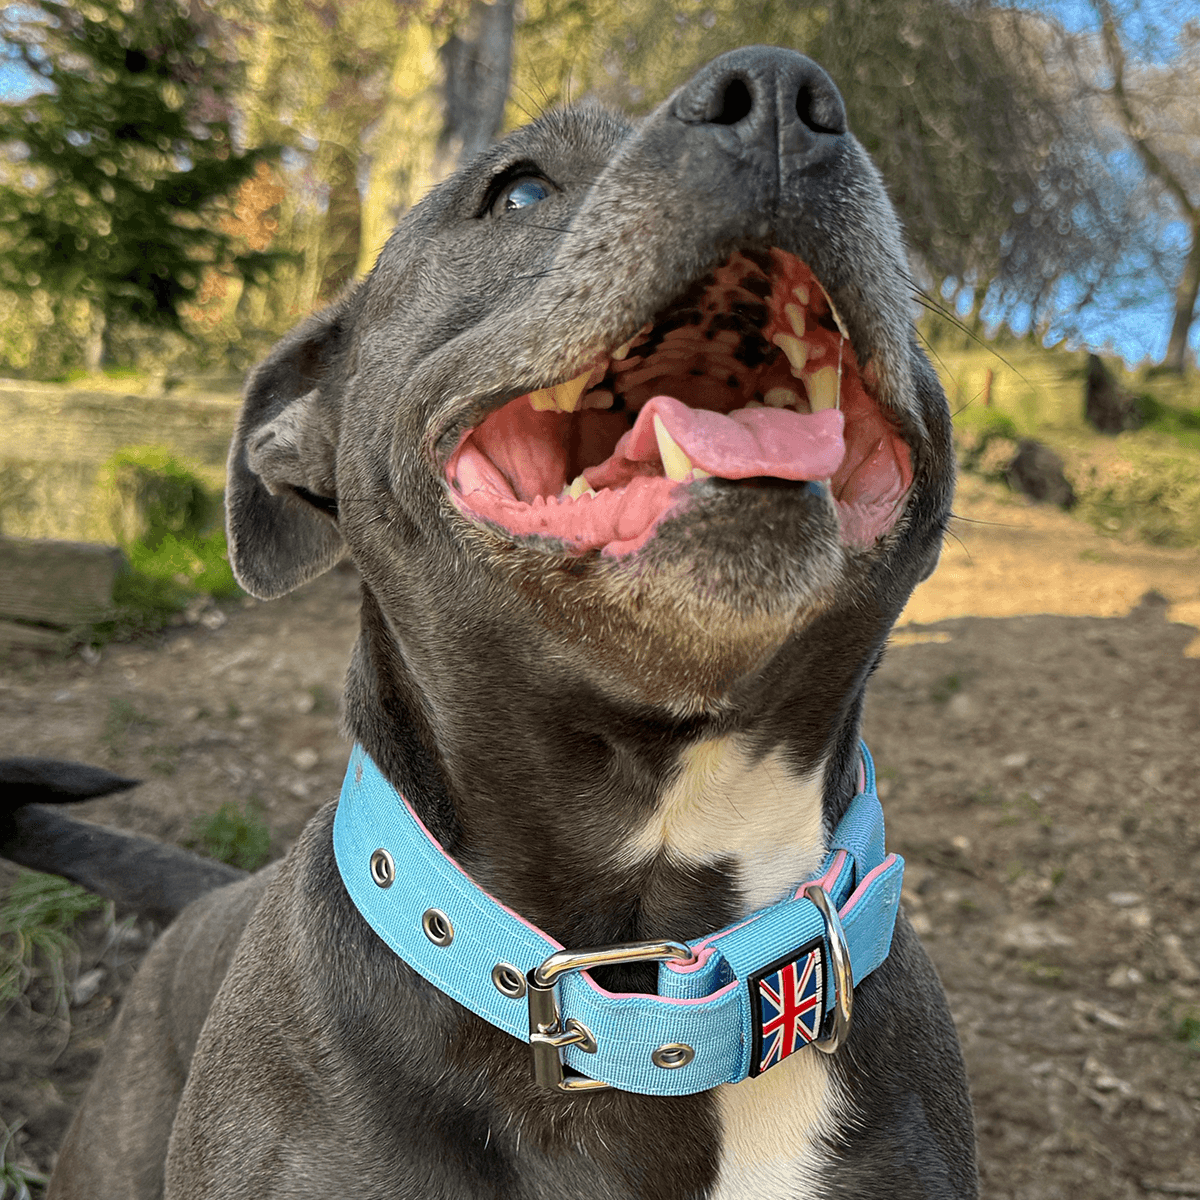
1036	726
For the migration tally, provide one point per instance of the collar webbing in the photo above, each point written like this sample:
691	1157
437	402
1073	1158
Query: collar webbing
758	990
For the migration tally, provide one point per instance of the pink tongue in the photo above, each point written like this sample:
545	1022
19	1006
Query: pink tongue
746	443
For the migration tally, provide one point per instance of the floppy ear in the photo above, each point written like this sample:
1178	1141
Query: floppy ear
281	494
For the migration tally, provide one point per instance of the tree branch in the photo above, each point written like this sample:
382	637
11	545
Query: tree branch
1154	165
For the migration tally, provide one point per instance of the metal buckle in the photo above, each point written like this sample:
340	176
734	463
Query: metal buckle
548	1033
843	975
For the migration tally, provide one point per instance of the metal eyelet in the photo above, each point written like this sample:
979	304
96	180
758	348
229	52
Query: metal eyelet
508	981
437	927
672	1055
383	868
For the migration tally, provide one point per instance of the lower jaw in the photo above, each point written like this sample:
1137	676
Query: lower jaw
620	522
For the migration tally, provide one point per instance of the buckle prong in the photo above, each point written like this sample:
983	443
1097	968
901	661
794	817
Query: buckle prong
548	1033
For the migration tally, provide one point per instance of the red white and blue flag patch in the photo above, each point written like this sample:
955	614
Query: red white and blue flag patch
787	1001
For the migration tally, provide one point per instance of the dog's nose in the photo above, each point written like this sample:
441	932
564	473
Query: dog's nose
763	94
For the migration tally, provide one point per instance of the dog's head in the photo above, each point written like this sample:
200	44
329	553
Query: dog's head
638	403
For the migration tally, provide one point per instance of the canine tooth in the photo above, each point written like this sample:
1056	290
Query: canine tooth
580	487
795	349
801	294
823	388
795	314
782	398
676	464
701	473
542	400
623	349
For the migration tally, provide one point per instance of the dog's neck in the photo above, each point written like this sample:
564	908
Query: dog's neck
631	827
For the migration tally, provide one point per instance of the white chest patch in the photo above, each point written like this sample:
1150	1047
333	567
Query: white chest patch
725	805
772	1130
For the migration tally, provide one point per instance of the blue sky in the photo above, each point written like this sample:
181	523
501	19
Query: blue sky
1135	331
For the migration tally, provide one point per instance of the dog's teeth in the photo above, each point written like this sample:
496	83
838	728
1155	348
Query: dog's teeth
562	397
623	349
795	315
782	398
676	464
754	404
701	473
598	399
801	294
823	389
795	349
566	395
580	487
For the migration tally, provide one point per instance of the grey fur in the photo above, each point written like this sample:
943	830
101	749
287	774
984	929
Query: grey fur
533	704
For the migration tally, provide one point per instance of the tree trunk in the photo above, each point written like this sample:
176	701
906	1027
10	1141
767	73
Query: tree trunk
94	345
1185	306
477	60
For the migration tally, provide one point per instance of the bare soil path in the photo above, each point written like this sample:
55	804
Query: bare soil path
1037	729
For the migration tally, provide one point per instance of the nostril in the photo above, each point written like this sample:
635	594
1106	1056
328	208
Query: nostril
820	111
736	103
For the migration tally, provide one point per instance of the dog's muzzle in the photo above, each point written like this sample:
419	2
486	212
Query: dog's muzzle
729	1005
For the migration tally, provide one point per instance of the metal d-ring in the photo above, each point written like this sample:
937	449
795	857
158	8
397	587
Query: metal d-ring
843	974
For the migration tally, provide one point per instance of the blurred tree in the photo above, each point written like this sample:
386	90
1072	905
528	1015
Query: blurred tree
114	168
1157	106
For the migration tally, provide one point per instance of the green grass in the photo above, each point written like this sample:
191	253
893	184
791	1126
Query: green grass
37	922
238	836
122	719
1187	1030
1141	485
168	522
16	1181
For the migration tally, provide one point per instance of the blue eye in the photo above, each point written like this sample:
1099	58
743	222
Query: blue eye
522	194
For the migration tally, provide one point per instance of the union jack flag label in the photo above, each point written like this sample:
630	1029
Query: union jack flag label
787	1001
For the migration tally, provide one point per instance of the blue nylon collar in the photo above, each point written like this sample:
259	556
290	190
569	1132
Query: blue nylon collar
743	1006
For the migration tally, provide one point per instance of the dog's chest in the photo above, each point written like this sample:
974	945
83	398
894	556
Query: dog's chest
725	806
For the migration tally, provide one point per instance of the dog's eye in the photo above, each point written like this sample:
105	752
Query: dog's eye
521	194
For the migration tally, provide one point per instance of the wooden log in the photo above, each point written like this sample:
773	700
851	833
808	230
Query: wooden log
56	585
30	637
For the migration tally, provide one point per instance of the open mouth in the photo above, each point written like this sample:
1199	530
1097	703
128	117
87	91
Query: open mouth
747	379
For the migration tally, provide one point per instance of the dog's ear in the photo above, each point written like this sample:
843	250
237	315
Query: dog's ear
281	494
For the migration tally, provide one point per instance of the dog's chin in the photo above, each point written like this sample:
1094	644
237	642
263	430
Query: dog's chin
702	607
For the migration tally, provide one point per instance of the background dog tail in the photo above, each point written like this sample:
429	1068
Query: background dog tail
152	878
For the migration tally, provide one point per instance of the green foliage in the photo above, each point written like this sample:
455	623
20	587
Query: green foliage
116	169
1187	1030
15	1180
168	523
121	719
238	836
37	919
155	497
1144	484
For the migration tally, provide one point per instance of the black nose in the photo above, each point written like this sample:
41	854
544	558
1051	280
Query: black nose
765	95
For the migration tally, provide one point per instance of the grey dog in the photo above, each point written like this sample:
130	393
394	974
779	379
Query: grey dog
621	601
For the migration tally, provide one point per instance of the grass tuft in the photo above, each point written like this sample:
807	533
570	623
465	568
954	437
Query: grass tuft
16	1181
237	836
37	922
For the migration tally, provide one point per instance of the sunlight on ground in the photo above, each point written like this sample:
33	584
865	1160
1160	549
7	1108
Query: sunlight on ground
1007	558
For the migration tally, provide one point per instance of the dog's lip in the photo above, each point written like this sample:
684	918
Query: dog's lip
515	461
